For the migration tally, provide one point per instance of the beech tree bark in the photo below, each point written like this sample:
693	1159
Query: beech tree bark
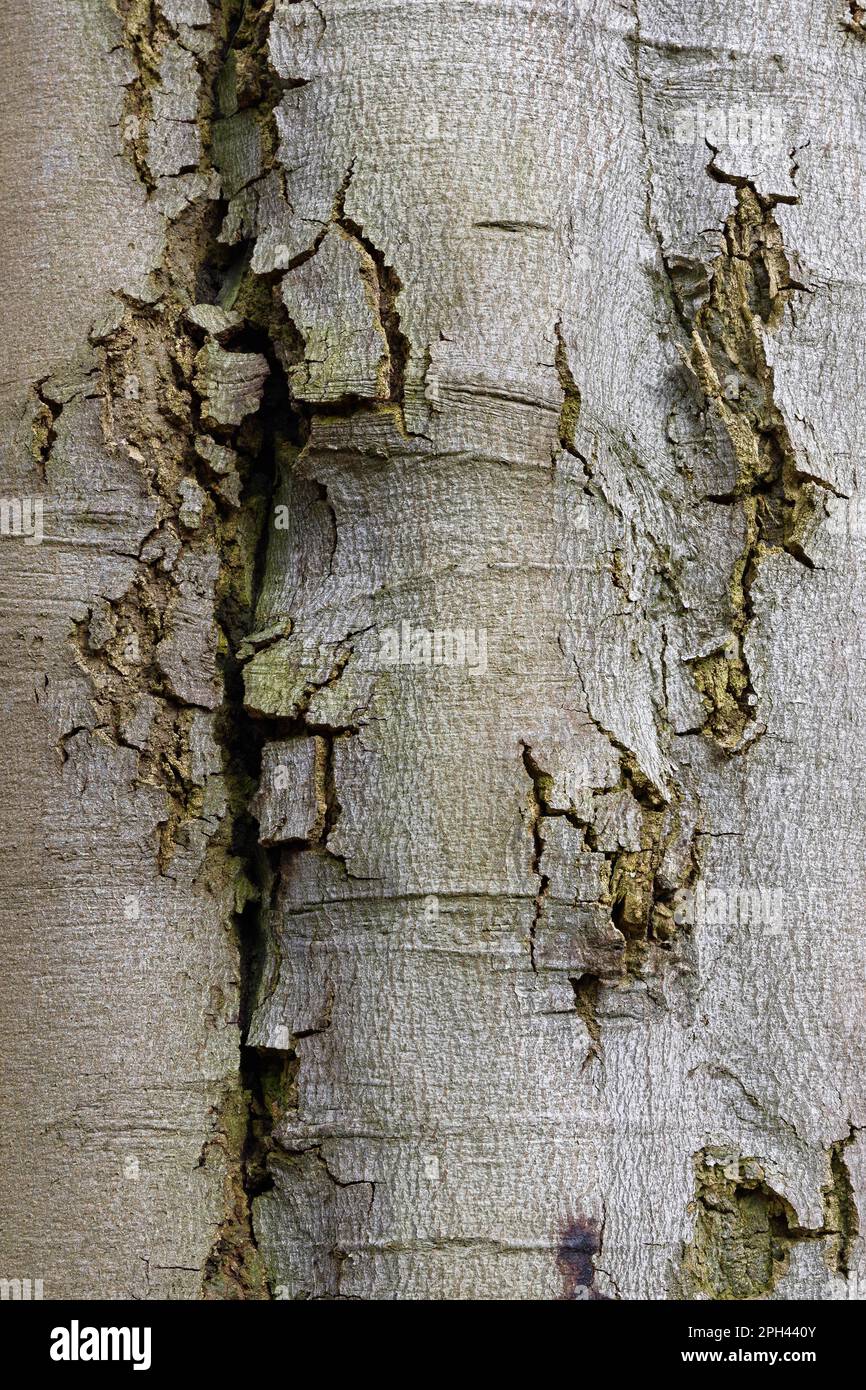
432	860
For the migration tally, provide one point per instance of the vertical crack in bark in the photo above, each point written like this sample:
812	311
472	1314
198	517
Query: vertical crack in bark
536	811
234	1269
387	290
166	112
648	890
145	28
587	988
569	411
266	1075
44	426
269	1074
841	1217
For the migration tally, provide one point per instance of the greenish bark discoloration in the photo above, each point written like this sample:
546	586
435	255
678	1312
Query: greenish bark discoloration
744	1229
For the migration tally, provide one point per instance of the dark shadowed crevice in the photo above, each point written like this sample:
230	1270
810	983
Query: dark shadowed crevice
234	1269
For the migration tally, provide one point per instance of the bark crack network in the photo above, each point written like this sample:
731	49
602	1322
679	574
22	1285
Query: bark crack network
44	425
747	290
163	119
269	1073
638	885
194	386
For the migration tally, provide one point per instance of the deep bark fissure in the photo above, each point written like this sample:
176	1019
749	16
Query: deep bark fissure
268	1074
537	810
233	1268
213	439
265	1074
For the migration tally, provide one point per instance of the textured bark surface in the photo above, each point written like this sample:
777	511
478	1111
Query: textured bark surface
443	664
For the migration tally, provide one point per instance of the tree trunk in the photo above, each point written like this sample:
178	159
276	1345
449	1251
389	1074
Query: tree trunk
441	668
